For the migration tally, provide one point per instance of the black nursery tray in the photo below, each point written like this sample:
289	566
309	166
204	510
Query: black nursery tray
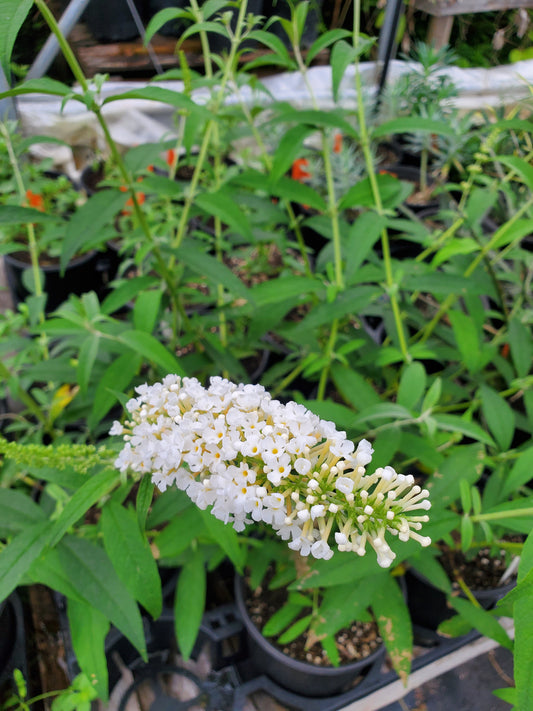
231	681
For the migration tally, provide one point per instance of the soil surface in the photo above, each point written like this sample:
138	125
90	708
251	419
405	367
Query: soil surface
482	572
353	643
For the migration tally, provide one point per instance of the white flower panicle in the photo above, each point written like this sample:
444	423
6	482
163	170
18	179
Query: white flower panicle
253	458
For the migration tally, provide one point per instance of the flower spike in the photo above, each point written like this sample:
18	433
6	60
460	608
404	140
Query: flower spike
253	458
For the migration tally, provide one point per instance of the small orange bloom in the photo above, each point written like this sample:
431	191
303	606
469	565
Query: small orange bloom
35	200
171	157
298	171
141	197
337	143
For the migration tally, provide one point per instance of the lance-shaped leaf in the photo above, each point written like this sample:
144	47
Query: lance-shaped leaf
95	580
12	15
189	603
131	556
85	497
89	648
394	622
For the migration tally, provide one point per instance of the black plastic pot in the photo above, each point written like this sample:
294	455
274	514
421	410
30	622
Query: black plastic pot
296	676
428	605
111	20
12	638
89	272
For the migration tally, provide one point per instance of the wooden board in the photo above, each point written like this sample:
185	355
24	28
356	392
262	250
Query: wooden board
127	58
442	8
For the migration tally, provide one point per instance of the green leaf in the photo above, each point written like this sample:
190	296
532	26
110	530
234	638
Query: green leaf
12	15
226	537
383	411
131	556
89	220
499	416
394	622
42	86
288	150
282	618
325	40
19	554
467	533
482	620
465	462
222	204
218	273
146	310
364	232
189	604
96	581
413	124
270	40
455	423
432	396
92	491
355	389
166	96
467	339
313	118
510	695
330	410
145	494
520	166
162	17
116	378
89	648
125	292
523	654
295	630
391	190
342	604
521	344
283	288
520	473
179	533
47	570
86	360
150	348
342	55
17	511
412	385
15	214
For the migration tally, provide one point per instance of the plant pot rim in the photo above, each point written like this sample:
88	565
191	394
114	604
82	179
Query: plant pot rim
19	263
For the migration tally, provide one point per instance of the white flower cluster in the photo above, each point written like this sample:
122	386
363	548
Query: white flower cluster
252	458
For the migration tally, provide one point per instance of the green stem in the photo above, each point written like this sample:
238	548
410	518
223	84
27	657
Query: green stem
330	348
497	515
77	71
369	162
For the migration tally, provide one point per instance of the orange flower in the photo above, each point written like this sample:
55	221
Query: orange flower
298	172
337	143
35	200
171	157
141	197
